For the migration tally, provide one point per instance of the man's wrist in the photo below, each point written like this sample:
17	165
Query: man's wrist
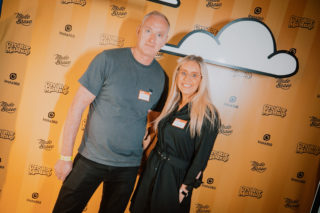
65	158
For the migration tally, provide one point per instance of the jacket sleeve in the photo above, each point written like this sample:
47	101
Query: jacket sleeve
203	147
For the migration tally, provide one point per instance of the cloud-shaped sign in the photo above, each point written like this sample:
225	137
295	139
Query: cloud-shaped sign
171	3
244	44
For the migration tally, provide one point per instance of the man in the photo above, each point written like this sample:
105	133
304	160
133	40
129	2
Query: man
121	86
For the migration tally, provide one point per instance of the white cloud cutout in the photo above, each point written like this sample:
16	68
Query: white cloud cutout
244	44
171	3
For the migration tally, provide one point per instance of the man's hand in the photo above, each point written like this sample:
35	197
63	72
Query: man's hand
62	169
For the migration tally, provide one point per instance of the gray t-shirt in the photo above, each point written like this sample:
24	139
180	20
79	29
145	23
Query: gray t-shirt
125	90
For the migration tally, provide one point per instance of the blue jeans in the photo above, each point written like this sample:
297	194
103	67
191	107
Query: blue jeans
84	179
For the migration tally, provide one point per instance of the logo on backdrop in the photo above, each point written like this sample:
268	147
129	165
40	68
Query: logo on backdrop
83	124
257	11
232	102
46	145
159	55
218	155
208	184
79	2
14	47
6	107
242	74
290	203
51	115
225	129
265	140
274	110
258	167
214	4
39	170
209	29
293	51
67	30
34	196
283	83
118	11
299	177
107	39
12	77
62	60
56	87
314	122
308	148
1	167
202	208
23	19
7	134
246	191
301	22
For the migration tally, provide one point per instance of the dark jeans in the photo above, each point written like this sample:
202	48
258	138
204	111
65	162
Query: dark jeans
84	179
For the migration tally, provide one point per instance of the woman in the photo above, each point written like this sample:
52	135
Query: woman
187	128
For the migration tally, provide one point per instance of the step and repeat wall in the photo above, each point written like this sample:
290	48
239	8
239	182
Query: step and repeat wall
266	156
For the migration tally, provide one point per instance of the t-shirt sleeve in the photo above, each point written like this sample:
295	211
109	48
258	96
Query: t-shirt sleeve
160	104
203	148
95	75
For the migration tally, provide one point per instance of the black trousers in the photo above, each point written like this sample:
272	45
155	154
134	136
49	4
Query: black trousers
84	179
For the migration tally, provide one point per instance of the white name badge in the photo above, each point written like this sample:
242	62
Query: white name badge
143	95
179	123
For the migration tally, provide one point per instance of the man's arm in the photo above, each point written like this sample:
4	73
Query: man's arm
81	100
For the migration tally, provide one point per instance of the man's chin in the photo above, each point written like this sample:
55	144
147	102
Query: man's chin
150	53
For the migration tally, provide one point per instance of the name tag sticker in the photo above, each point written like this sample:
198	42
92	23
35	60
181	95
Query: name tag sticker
179	123
143	95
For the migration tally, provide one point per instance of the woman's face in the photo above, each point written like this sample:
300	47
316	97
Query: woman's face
188	79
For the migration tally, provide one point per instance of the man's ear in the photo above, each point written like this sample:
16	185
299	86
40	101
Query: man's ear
165	40
138	29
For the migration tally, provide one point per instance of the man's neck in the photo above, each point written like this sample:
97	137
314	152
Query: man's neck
141	58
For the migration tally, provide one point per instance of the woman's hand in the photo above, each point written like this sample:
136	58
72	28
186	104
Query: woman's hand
146	139
183	192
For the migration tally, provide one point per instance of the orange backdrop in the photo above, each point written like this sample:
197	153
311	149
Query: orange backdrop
266	157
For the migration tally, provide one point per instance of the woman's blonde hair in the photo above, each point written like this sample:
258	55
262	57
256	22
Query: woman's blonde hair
200	106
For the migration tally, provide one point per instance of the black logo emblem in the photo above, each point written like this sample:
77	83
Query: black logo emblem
300	174
35	195
210	181
233	99
13	76
51	115
257	10
68	28
266	137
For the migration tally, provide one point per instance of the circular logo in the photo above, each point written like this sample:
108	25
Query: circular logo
35	195
210	181
68	28
13	76
293	51
266	137
257	10
51	114
232	99
300	174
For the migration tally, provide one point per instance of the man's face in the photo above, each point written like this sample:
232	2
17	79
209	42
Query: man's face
152	35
